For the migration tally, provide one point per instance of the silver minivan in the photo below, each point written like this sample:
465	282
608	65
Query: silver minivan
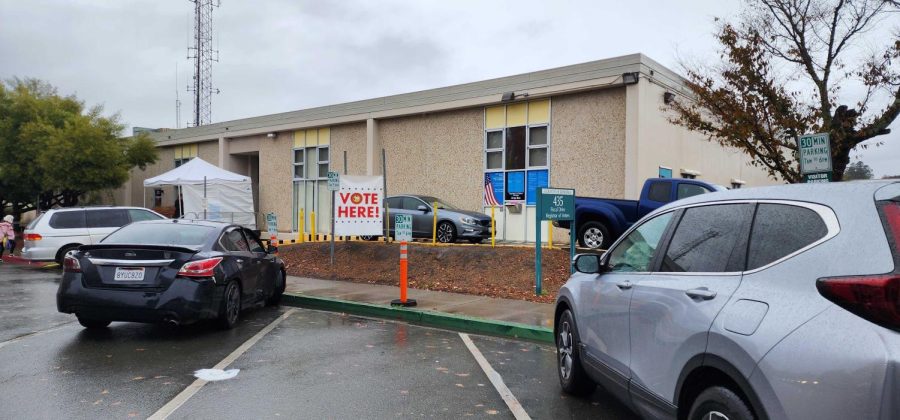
778	302
54	233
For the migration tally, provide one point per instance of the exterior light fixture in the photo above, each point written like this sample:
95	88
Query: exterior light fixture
508	96
668	97
272	135
630	78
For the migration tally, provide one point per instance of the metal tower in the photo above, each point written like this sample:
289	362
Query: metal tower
203	55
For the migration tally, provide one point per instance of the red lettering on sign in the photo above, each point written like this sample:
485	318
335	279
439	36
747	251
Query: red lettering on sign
344	197
342	211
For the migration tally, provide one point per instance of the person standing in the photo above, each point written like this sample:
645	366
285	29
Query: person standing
8	235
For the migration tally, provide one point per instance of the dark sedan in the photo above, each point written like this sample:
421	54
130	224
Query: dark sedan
172	271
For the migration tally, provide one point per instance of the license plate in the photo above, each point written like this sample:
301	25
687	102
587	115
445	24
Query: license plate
129	274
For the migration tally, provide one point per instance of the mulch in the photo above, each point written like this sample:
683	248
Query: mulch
502	272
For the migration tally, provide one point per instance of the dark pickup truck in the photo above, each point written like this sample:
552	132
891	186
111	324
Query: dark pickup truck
600	221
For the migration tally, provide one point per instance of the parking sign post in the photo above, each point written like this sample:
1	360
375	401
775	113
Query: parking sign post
403	234
552	204
334	184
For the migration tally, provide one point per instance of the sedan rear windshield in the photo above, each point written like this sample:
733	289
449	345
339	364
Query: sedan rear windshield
160	234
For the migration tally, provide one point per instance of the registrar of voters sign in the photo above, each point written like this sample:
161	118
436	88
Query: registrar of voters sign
815	153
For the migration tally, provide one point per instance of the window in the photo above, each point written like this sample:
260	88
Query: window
255	244
410	203
68	220
516	152
234	241
659	192
779	230
160	234
323	162
493	150
107	218
636	251
690	190
687	175
184	153
393	202
141	215
299	160
537	147
709	239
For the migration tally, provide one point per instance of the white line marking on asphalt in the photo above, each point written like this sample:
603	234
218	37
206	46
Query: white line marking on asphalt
35	334
496	380
194	387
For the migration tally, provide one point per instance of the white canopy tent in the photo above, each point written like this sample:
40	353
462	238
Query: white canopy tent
228	196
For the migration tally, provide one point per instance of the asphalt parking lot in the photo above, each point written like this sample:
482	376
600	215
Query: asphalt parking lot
294	363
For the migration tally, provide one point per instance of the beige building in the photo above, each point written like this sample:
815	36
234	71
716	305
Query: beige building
599	127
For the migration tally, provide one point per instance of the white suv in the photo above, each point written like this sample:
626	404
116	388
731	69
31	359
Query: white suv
54	233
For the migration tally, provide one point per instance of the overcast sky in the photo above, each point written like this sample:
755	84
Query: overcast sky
284	55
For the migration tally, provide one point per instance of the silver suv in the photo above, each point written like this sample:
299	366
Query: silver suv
778	302
54	233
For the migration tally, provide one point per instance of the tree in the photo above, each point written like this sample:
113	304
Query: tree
858	170
783	64
55	150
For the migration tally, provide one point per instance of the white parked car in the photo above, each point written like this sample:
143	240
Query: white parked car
54	233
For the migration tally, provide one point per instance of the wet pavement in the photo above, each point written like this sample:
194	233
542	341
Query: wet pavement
312	365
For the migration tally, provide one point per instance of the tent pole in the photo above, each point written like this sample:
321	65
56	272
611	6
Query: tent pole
204	198
144	194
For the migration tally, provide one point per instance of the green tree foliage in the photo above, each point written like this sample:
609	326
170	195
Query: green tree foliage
54	150
782	66
858	170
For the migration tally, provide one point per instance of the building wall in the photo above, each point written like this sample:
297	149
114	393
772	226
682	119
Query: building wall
276	182
165	163
587	143
209	151
352	139
435	154
661	143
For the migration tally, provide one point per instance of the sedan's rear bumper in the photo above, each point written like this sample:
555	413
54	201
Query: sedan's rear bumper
185	301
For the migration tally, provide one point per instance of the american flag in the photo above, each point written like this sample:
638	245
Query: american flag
489	198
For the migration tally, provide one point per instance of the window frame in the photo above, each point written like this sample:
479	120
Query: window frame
529	147
502	150
320	162
745	235
825	212
294	151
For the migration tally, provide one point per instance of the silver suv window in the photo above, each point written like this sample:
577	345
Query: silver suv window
106	218
709	239
635	252
781	229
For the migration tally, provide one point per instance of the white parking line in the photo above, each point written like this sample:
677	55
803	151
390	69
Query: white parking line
194	387
496	380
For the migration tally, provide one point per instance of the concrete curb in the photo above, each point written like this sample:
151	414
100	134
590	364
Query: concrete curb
423	317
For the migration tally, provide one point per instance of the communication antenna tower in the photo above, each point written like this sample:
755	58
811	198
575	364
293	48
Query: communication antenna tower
203	55
177	100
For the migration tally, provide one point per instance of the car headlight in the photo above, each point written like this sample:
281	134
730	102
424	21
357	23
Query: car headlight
468	220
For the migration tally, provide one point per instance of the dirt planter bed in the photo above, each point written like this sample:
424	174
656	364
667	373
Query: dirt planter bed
505	272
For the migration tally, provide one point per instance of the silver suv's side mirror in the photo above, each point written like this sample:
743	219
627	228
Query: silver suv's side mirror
589	263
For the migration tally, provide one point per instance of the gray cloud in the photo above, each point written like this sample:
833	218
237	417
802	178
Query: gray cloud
283	55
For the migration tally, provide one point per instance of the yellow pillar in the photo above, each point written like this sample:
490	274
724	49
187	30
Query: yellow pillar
312	227
434	225
549	235
301	227
493	224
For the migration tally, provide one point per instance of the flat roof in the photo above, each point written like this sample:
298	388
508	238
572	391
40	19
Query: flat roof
576	77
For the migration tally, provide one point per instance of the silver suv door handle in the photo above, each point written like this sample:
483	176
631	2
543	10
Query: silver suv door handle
625	285
701	293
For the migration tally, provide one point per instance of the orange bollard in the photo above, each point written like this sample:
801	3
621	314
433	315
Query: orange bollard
403	301
273	243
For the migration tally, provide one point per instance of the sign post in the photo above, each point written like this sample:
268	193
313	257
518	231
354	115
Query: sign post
403	234
815	157
553	204
334	184
272	227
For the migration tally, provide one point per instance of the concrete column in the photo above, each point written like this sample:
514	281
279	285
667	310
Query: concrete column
373	154
632	135
223	151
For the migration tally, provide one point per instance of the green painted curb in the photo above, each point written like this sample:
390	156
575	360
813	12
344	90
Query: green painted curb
423	317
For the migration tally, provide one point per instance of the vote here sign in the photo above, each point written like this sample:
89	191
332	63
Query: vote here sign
358	206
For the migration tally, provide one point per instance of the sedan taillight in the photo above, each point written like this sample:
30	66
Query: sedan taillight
71	265
201	268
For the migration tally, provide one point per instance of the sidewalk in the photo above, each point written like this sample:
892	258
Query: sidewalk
506	317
